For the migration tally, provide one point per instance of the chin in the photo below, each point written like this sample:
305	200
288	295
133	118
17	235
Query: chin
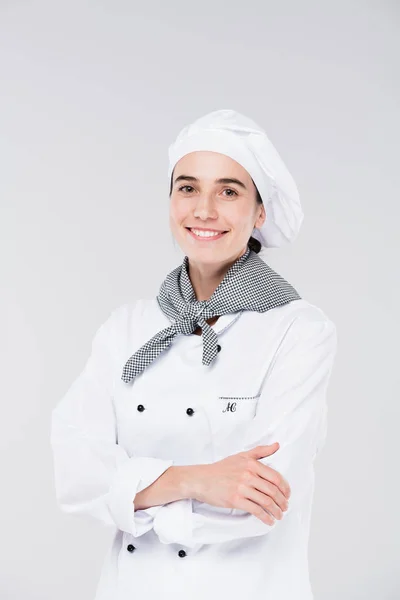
211	256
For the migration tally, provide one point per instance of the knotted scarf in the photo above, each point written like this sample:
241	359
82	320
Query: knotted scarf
249	284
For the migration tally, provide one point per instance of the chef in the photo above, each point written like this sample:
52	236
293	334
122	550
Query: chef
193	427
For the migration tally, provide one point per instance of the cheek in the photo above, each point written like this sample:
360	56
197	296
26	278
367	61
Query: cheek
177	213
242	223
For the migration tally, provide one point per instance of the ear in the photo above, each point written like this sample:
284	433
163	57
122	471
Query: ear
261	218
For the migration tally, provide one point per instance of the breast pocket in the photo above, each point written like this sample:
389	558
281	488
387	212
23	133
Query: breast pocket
229	416
243	407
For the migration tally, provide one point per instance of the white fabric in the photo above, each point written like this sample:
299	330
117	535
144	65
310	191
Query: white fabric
276	365
228	132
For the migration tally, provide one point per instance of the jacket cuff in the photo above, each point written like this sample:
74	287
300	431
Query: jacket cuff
131	477
173	523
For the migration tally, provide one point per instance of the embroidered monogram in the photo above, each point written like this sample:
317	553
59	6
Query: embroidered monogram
231	407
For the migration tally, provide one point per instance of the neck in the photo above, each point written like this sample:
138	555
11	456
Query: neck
205	278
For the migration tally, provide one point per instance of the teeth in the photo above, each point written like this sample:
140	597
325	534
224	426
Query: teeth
206	233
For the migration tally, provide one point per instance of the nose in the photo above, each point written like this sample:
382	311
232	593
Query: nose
205	207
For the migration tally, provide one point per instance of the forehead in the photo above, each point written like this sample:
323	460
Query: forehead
210	165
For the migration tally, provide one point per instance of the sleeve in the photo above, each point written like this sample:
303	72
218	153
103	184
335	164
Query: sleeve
93	474
292	410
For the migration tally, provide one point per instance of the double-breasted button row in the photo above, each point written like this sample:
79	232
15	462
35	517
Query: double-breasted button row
189	411
131	548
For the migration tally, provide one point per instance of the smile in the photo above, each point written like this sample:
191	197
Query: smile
205	235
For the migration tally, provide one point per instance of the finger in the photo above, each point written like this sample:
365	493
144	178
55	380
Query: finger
266	502
270	474
255	509
269	489
263	451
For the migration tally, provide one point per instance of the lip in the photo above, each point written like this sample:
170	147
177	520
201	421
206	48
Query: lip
206	239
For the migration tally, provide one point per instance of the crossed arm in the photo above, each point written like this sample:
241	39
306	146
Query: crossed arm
95	476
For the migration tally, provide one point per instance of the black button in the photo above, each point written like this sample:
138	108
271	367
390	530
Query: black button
190	411
218	348
130	548
140	408
181	553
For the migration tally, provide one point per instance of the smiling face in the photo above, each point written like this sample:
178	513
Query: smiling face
213	194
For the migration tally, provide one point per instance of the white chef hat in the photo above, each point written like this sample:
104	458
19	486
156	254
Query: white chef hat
235	135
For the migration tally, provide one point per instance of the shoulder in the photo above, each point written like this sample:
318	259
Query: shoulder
296	322
131	324
305	313
300	312
124	329
306	325
122	317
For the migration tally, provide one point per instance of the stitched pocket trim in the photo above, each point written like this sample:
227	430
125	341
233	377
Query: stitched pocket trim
239	397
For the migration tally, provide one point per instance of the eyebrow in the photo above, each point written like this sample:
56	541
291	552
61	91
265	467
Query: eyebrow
221	180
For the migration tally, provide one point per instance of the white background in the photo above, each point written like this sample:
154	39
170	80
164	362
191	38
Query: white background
92	94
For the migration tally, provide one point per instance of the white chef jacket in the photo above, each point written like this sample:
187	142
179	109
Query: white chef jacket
111	439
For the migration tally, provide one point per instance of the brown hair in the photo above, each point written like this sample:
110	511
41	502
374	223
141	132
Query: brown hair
252	243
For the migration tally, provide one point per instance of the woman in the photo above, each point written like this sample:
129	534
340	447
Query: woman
194	425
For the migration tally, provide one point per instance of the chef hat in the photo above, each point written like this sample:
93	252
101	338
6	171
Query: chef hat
235	135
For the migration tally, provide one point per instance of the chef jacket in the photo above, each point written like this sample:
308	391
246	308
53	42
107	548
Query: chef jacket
111	440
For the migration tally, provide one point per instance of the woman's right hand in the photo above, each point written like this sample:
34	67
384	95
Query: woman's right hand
241	481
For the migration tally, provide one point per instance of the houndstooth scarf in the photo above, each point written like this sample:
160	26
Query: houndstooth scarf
249	284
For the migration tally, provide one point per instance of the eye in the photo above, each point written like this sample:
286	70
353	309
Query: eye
230	190
184	186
